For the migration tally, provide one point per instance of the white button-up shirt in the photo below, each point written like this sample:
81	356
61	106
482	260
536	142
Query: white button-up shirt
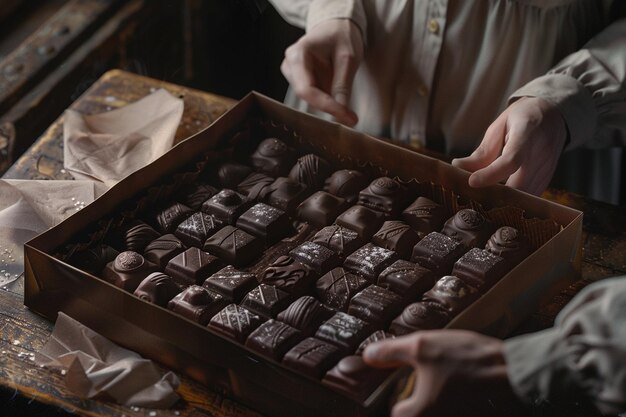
436	73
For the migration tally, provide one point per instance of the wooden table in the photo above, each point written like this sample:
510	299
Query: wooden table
23	386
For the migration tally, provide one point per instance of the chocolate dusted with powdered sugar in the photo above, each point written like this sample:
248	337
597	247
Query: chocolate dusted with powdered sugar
265	221
195	229
480	268
370	260
266	300
438	253
231	283
318	257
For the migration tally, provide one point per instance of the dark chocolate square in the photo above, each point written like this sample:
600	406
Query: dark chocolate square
226	205
195	194
312	357
127	270
316	256
375	305
362	220
321	209
370	260
470	228
398	237
384	194
265	221
170	217
341	240
157	288
425	216
289	275
480	268
234	246
235	322
161	250
310	170
422	315
438	253
273	339
197	304
232	283
195	229
337	287
344	331
407	279
192	266
305	314
286	194
354	377
273	157
452	293
266	300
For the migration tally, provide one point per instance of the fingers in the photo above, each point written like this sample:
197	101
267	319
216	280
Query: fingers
345	67
394	352
489	148
299	68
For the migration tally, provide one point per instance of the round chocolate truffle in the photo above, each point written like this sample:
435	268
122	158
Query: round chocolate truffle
346	183
128	261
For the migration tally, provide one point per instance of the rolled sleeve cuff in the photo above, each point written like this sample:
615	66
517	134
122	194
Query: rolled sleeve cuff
531	361
322	10
571	98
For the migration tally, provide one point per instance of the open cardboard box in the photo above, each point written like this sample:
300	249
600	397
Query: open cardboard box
53	285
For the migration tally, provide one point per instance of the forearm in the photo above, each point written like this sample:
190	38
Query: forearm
584	354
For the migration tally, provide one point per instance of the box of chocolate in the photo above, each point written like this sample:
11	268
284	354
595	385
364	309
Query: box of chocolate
262	255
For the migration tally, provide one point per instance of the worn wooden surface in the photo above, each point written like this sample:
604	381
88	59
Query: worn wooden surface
23	333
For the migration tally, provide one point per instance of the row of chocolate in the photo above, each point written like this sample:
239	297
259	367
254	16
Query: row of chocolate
381	264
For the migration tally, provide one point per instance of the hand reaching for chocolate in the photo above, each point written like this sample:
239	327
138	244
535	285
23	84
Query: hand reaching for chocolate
522	147
455	370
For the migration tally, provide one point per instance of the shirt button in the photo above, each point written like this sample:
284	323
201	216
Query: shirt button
433	26
415	141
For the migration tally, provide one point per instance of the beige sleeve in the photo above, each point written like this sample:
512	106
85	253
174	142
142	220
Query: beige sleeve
308	13
589	88
582	357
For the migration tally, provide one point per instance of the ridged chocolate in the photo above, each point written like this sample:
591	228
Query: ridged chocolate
422	315
509	243
469	227
344	331
157	288
375	305
310	170
312	357
137	235
304	314
385	195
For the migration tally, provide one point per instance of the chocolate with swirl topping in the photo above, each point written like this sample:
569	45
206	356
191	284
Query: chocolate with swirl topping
289	275
469	227
508	243
422	315
385	195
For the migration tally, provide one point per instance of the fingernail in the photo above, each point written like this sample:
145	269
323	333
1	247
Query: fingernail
370	352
